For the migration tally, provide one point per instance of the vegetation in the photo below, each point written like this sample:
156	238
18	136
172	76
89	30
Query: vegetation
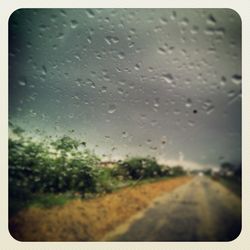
52	172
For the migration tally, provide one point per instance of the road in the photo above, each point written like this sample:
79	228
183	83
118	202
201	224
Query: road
201	210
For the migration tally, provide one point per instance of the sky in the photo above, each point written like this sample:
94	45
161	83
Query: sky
137	82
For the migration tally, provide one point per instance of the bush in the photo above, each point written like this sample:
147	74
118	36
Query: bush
177	171
139	168
33	168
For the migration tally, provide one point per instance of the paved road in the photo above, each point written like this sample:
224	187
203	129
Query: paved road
202	210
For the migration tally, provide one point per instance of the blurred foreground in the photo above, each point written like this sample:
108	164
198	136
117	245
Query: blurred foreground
201	210
88	220
59	190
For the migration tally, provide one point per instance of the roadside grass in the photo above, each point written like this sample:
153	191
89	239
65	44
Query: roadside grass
232	184
48	200
88	219
42	200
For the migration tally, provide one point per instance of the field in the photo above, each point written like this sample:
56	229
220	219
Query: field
88	220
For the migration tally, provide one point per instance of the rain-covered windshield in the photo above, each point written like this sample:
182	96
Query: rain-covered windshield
110	109
155	82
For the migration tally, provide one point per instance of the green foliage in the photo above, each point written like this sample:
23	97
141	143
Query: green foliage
48	169
177	171
106	182
33	168
139	168
49	200
66	144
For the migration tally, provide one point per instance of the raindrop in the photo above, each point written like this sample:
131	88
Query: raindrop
131	45
220	32
111	40
223	81
90	83
177	112
188	103
154	123
121	55
231	93
161	51
163	20
131	86
211	20
209	31
89	40
137	66
191	123
122	82
170	50
124	134
168	78
60	36
44	70
236	79
153	149
112	109
104	89
22	82
120	91
184	22
76	97
90	13
173	15
73	24
194	29
156	103
208	107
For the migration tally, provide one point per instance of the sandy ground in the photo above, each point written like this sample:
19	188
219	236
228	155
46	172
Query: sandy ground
201	210
88	220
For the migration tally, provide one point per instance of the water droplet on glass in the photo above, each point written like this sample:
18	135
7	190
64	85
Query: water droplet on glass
44	70
90	83
120	91
236	79
137	66
163	20
161	51
188	103
209	31
211	20
112	109
104	89
90	13
223	81
73	24
60	36
168	78
111	40
184	22
154	123
173	15
124	134
208	107
121	55
194	29
191	123
22	82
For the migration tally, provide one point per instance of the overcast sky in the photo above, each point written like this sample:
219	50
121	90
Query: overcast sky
159	82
